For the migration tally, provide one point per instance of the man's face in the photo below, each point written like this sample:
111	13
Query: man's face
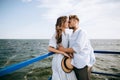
72	23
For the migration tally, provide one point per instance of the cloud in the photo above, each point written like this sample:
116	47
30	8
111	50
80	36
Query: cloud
55	8
99	17
88	9
94	14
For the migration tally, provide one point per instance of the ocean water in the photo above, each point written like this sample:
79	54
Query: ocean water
13	51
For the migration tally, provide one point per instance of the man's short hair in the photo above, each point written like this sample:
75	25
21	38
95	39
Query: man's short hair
73	17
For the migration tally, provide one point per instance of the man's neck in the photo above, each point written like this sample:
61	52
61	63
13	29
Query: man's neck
75	28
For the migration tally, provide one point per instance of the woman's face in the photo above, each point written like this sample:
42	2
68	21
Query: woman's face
66	23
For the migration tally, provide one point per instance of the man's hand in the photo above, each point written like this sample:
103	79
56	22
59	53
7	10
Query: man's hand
69	51
61	48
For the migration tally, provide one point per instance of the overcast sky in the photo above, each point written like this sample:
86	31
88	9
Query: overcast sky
35	19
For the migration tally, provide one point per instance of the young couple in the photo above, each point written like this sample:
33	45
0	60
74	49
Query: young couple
75	46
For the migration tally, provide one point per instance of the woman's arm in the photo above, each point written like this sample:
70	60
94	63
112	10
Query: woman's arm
67	50
52	49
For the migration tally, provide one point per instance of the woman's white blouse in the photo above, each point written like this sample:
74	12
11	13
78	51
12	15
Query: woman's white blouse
58	73
65	38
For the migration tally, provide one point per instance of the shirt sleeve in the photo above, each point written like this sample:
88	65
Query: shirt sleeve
52	41
80	42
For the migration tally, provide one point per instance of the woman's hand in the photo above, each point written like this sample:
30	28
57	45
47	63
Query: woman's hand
71	55
65	54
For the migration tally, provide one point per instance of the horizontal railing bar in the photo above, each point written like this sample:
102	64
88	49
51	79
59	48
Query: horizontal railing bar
107	74
17	66
107	52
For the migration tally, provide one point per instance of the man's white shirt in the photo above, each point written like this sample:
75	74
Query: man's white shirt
84	54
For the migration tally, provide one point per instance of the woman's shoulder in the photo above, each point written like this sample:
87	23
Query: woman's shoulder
53	35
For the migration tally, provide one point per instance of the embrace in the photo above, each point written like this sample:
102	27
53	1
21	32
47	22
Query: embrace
74	56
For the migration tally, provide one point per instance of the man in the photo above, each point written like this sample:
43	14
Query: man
83	56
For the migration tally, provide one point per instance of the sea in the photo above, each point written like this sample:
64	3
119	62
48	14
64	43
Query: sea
13	51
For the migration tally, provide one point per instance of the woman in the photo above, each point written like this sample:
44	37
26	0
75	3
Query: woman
60	38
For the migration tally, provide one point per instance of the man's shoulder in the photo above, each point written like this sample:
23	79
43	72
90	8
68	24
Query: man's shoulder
82	31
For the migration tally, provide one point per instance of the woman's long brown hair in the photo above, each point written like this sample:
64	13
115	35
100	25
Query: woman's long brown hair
59	24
